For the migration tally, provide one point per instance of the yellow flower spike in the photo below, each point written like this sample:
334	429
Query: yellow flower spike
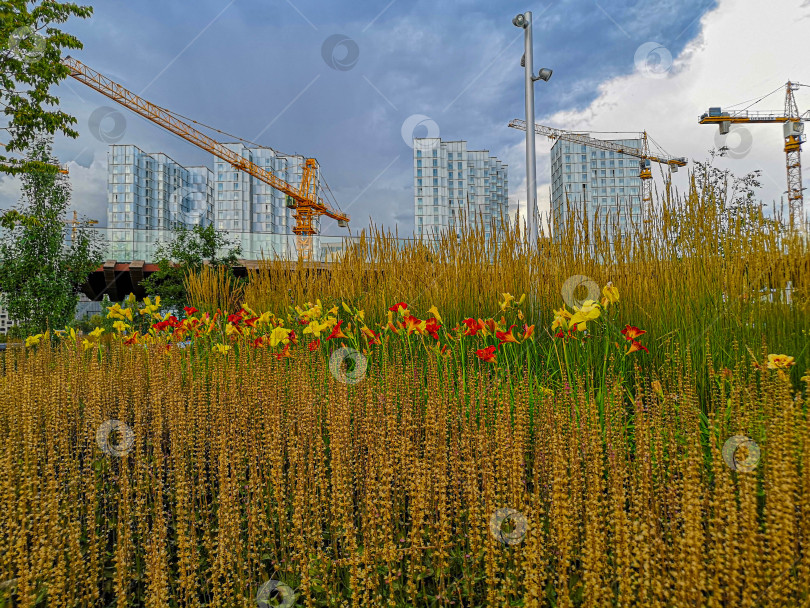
157	301
72	334
96	333
346	307
390	316
435	312
131	298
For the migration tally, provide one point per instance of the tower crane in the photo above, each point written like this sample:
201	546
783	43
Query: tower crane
792	130
303	199
644	156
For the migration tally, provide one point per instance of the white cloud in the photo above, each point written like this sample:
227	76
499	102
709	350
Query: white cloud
741	53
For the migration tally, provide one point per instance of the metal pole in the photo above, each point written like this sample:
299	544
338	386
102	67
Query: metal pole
531	162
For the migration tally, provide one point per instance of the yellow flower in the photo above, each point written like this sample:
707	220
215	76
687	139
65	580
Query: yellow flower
587	312
230	329
96	333
279	334
120	326
265	317
87	344
780	361
33	340
221	348
346	307
610	293
333	310
435	312
507	298
130	298
72	334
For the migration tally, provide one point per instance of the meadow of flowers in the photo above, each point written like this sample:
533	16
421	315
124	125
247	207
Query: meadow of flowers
630	428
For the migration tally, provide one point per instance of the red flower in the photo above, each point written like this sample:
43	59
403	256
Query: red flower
473	327
432	326
285	352
398	306
506	336
371	336
634	346
235	319
132	339
560	334
486	354
190	310
251	322
292	337
314	345
258	342
336	332
630	332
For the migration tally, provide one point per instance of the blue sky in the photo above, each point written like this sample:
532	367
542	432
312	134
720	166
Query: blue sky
260	70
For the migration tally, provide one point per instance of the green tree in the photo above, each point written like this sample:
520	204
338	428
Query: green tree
40	274
187	252
30	63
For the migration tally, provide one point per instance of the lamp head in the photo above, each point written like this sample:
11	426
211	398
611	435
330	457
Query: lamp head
544	74
520	20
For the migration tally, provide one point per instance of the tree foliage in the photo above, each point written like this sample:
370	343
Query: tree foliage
40	275
30	63
186	253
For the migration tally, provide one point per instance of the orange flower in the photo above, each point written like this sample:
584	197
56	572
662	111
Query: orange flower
490	324
314	345
634	346
132	340
392	328
398	307
336	332
473	327
370	336
528	331
285	352
506	336
486	354
292	337
258	342
631	333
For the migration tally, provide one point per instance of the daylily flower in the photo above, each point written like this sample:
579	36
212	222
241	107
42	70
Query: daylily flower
507	298
285	352
190	310
435	312
370	336
336	332
506	336
473	327
315	328
259	342
133	339
221	348
432	327
631	332
610	295
88	344
780	361
314	345
634	346
399	307
33	340
528	332
278	335
96	333
587	312
120	326
486	354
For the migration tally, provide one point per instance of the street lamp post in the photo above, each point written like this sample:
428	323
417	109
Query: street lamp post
524	20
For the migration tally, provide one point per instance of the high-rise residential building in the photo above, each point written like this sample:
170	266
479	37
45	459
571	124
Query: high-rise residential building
595	181
453	184
243	203
150	191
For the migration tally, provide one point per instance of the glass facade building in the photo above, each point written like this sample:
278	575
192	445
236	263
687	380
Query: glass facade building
600	183
452	184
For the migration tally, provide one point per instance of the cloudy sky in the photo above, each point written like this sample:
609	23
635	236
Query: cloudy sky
342	80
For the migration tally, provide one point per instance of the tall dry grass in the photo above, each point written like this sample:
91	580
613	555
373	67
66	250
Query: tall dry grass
214	288
381	493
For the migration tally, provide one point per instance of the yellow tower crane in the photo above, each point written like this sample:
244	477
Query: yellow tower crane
77	222
792	130
643	154
304	199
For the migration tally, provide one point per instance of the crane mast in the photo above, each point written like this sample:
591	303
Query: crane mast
304	200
